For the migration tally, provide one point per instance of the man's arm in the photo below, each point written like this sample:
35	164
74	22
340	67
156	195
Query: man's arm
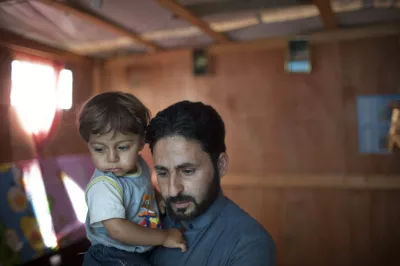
259	252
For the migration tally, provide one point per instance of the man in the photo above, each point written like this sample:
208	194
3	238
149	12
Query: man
187	141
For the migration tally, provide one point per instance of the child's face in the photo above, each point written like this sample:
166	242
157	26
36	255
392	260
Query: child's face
115	152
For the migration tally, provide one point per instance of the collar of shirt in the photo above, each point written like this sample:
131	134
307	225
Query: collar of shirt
204	219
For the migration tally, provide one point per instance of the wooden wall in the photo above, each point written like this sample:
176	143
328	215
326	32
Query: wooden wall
15	143
302	126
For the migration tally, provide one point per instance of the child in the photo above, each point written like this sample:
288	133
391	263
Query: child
122	221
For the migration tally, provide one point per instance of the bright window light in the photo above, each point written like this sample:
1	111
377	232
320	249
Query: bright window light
64	91
33	95
36	192
77	197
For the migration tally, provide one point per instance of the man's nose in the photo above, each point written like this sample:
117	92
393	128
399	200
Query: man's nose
175	186
112	156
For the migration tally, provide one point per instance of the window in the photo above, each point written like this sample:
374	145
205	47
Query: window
37	92
64	95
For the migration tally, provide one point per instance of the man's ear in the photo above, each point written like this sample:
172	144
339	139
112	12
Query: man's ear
223	161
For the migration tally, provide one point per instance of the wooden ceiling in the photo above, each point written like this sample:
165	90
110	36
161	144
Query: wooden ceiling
191	23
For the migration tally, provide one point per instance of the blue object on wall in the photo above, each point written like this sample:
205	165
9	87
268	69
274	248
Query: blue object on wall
374	116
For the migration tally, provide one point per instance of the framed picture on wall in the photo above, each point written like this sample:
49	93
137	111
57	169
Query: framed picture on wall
374	121
298	59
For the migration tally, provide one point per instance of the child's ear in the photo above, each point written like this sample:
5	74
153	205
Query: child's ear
142	143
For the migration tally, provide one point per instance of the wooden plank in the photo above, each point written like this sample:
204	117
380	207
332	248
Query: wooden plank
340	35
266	16
326	13
182	12
232	6
18	43
314	181
5	90
98	76
359	211
385	233
101	22
362	74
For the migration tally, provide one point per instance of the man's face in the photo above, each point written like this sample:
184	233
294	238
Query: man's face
115	152
186	176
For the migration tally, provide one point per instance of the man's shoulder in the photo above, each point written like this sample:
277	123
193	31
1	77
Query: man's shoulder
243	224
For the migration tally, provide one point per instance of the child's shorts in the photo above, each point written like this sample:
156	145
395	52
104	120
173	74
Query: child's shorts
108	256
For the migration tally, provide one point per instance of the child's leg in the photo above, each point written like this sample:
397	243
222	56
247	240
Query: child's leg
124	258
108	256
94	256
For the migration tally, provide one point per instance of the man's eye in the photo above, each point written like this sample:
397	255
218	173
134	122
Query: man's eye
188	171
161	174
123	148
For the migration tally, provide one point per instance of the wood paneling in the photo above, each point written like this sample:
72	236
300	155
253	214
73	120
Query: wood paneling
5	85
368	67
323	37
281	124
278	122
326	227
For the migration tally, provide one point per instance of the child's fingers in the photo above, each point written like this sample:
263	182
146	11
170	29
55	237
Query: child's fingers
183	247
161	207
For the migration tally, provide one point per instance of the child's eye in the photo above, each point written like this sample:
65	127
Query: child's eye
123	148
98	149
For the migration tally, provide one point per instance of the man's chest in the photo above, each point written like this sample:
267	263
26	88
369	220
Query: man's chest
205	247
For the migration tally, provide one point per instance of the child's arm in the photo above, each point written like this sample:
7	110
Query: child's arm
105	206
131	233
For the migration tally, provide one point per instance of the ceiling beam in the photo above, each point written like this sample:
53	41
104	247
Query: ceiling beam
201	9
339	35
326	13
100	22
19	43
182	12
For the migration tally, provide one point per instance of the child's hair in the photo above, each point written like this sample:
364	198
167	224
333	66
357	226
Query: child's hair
113	111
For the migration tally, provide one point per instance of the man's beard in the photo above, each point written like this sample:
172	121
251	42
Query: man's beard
211	195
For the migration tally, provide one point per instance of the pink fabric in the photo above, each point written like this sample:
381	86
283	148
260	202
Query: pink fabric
80	169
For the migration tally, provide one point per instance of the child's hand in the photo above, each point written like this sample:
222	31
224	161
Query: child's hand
175	239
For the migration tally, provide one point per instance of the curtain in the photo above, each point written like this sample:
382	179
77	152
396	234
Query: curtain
38	113
34	97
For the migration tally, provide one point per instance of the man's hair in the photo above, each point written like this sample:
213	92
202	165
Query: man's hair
113	111
192	120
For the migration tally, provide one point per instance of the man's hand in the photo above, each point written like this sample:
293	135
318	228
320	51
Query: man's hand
175	239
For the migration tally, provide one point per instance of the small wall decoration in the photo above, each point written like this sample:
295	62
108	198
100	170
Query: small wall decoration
298	57
201	62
